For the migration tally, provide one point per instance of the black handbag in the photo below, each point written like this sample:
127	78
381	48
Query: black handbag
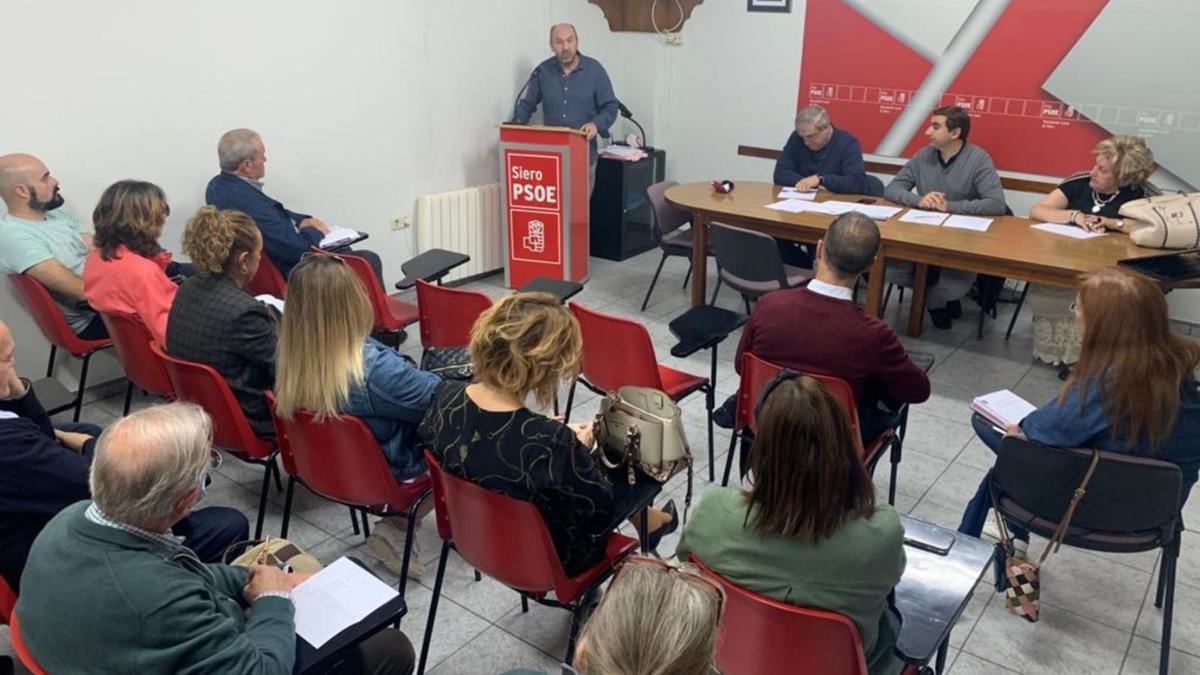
450	363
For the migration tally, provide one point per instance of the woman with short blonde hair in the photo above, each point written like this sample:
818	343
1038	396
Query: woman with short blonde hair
526	345
329	365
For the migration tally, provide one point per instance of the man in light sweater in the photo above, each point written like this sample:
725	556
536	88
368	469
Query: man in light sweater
953	176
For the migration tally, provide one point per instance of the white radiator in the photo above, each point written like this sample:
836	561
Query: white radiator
466	221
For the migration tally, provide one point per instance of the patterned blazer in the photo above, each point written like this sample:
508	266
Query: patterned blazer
214	322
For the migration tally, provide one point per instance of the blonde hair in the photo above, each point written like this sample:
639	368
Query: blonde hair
1132	160
321	336
651	621
525	343
213	239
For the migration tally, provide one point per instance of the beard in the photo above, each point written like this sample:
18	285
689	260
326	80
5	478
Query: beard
56	200
566	58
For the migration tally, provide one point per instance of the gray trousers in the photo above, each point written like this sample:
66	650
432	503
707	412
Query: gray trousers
951	285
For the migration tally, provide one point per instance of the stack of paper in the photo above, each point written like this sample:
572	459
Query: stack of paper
876	211
336	598
791	205
339	236
1002	408
1067	230
623	152
793	193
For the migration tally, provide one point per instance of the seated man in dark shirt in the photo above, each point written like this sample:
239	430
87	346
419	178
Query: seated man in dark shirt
43	470
287	235
819	329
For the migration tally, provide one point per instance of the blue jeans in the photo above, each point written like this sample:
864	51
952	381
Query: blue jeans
977	509
208	532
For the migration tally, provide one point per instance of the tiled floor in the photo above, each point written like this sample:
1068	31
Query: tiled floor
1098	615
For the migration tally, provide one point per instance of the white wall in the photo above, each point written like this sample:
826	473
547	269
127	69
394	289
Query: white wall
364	105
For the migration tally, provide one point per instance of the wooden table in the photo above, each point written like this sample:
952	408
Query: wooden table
1009	248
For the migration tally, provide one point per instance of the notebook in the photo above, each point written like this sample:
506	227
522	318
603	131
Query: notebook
1002	408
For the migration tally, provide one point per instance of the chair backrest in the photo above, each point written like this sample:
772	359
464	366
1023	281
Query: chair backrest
502	537
370	282
131	340
204	386
8	600
48	316
755	375
447	314
338	458
667	218
748	255
267	280
1126	494
19	648
762	635
845	395
617	352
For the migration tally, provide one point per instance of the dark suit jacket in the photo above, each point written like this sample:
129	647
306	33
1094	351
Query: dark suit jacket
282	242
214	322
38	478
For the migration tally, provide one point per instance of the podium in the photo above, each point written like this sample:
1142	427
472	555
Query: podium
544	205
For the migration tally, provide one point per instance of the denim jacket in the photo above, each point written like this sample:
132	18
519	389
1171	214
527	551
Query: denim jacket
392	400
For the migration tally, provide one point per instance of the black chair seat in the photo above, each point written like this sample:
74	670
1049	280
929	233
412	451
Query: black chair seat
795	276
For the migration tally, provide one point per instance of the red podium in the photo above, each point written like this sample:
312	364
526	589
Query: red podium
545	203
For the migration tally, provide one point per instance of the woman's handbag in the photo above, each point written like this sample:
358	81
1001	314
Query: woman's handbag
271	551
642	428
1165	221
1022	588
449	363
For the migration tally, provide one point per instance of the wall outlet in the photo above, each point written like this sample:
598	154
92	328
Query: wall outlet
401	223
674	39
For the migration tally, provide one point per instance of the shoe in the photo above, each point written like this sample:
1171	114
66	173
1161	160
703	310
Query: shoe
1064	372
941	318
954	309
656	537
724	416
387	543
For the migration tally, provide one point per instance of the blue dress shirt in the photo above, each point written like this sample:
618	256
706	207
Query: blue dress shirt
571	100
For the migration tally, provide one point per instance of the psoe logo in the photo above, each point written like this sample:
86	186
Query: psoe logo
535	241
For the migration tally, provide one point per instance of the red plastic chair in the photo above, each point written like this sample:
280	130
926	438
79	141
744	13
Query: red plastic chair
447	314
391	313
267	280
143	367
8	600
340	460
50	320
762	635
507	539
617	352
755	375
204	386
18	645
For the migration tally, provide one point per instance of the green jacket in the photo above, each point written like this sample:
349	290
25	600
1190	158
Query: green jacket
850	573
95	599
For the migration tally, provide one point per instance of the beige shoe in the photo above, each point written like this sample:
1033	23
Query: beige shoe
387	543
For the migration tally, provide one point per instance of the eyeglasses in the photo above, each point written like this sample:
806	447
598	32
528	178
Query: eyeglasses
687	572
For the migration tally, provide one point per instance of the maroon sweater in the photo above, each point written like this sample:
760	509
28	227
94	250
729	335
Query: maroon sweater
810	332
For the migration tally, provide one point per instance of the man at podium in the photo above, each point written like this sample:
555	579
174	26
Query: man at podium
574	91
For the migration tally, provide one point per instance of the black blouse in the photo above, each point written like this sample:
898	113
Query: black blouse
1080	196
529	457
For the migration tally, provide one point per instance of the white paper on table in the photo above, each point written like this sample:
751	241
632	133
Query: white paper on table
973	223
337	236
833	208
876	211
791	206
1067	230
270	300
1002	407
336	598
923	217
793	193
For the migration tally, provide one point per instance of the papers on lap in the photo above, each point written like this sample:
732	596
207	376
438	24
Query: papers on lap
270	301
923	217
1002	408
339	236
1067	230
336	598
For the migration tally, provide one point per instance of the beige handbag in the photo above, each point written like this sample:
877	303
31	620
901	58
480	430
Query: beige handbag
1165	221
643	428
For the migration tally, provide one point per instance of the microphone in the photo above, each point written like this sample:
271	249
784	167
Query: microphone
534	73
629	116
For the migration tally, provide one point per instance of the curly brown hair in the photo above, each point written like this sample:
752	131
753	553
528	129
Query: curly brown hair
526	343
213	238
130	213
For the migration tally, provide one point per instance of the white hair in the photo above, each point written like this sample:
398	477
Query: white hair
235	147
146	462
815	115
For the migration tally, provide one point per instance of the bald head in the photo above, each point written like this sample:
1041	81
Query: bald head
850	244
149	465
18	169
564	42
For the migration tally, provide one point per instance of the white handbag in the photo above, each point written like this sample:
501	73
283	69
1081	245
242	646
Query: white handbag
1165	221
643	428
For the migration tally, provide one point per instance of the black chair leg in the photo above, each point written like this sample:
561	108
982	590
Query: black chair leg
729	458
262	499
654	281
895	457
688	275
576	617
887	295
365	524
570	401
1016	312
50	363
901	300
128	397
1170	556
745	299
83	372
979	328
524	604
410	530
287	507
354	521
716	289
275	471
433	604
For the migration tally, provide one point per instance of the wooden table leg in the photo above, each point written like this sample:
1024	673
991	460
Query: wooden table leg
916	314
875	285
699	258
